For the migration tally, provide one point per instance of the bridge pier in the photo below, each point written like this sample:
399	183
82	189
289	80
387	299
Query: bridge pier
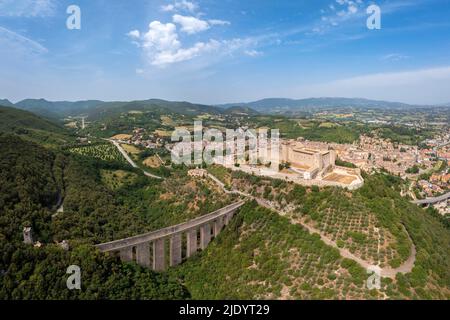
126	254
218	225
143	254
175	250
192	246
205	235
228	217
159	262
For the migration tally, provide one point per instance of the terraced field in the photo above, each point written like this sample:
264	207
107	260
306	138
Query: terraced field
341	216
102	151
355	228
264	263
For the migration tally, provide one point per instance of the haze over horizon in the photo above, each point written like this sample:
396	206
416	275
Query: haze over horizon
224	103
225	52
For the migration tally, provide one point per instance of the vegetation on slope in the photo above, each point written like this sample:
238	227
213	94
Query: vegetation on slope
311	130
430	278
102	150
30	179
405	135
40	273
341	215
32	128
262	255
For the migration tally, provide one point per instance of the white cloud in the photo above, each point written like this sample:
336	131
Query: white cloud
217	22
339	12
135	34
162	46
253	53
164	58
394	57
180	5
15	42
421	86
27	8
162	37
352	9
168	7
397	78
190	25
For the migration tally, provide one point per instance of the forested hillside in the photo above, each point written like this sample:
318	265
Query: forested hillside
100	109
28	188
32	127
102	201
56	109
30	179
268	255
263	256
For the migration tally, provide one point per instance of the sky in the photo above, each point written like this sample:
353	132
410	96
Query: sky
214	52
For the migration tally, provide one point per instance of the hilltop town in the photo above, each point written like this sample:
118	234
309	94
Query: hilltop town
326	163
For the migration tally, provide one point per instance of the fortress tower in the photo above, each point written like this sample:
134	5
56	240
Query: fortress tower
27	235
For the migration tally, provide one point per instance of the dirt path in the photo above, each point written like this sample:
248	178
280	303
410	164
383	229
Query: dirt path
386	272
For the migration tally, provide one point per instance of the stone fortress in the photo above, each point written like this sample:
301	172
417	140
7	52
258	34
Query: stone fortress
299	162
308	162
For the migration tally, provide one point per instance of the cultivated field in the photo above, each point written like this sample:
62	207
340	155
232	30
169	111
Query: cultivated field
163	133
130	149
105	152
121	136
167	121
152	162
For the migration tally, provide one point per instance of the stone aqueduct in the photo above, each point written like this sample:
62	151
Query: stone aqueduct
149	249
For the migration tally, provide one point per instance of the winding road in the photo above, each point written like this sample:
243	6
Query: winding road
130	161
433	200
386	272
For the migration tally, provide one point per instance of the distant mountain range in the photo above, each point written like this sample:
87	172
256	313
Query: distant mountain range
56	109
6	103
279	105
96	109
106	109
240	110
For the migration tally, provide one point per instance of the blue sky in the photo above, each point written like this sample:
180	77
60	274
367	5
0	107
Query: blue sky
211	52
